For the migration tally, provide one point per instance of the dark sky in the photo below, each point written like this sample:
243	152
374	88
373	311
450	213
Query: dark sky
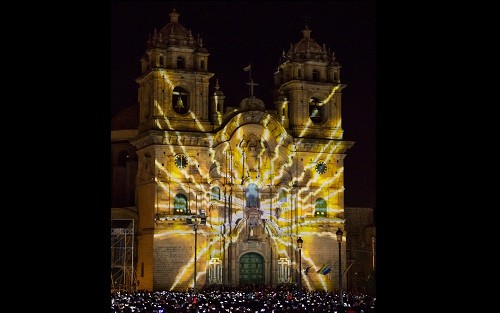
236	33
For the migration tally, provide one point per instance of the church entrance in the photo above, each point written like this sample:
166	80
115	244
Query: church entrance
251	268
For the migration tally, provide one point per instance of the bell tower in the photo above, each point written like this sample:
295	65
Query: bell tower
260	178
308	80
173	101
174	81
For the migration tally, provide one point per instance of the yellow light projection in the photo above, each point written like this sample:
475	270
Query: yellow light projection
321	103
189	265
309	262
158	105
330	95
227	157
306	128
197	122
335	129
184	271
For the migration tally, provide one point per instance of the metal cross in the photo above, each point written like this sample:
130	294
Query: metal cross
251	84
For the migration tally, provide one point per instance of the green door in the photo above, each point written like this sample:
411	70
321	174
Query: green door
251	268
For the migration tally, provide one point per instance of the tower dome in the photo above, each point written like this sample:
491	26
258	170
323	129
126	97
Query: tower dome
173	34
306	48
306	43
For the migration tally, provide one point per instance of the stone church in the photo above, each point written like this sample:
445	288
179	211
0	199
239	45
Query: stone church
207	192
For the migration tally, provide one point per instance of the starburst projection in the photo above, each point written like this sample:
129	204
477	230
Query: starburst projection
252	156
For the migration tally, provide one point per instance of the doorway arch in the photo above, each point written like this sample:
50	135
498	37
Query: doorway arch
251	268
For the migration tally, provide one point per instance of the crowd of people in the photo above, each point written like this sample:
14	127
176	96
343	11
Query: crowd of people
248	298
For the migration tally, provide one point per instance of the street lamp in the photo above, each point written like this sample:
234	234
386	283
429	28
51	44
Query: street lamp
195	221
299	245
339	234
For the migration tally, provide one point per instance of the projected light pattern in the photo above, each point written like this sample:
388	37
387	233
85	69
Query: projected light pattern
322	278
184	270
246	168
330	95
260	177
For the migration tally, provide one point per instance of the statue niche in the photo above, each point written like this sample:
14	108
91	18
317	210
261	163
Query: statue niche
253	214
255	227
255	154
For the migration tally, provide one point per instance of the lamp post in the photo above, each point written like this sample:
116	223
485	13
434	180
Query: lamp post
299	245
339	234
195	221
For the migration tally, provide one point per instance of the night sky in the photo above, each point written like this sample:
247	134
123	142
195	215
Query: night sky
236	33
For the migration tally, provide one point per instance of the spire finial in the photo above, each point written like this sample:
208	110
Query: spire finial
174	16
306	32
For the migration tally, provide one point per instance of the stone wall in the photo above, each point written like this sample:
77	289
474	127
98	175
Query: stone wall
360	227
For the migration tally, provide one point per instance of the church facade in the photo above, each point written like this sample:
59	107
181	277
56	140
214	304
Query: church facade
233	193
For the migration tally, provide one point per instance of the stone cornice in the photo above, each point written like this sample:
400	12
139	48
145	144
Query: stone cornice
297	84
157	137
123	134
158	70
322	221
317	145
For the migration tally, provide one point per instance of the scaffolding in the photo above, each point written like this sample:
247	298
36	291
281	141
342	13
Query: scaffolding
122	255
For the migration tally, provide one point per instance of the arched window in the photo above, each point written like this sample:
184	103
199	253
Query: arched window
315	110
320	208
180	63
299	73
180	100
215	194
252	196
202	64
180	204
316	75
160	60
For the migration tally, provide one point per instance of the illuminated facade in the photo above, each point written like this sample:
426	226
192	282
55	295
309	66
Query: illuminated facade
261	177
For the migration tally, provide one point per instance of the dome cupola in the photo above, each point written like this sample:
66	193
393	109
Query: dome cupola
173	34
306	49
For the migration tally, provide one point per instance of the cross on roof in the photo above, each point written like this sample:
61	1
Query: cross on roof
251	84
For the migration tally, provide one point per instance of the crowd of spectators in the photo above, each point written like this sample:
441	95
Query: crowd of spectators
248	298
